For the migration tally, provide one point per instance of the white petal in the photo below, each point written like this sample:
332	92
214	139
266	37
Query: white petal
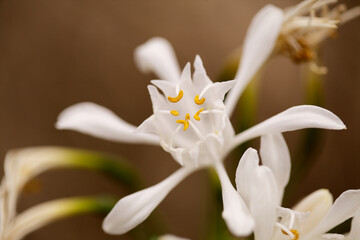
158	56
235	213
355	227
259	42
317	204
332	236
295	118
90	118
157	99
201	80
185	77
171	237
345	207
258	186
168	88
133	209
275	155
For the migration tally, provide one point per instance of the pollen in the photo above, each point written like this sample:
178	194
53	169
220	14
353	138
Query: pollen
293	231
184	122
199	101
177	98
196	116
174	112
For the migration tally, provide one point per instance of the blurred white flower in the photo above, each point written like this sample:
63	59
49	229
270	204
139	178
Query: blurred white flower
171	237
20	167
262	186
191	123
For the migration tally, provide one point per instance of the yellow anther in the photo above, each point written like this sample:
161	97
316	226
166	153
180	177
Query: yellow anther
174	112
177	98
199	101
184	122
293	231
196	116
187	117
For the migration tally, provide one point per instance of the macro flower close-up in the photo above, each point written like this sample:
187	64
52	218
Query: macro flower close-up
142	120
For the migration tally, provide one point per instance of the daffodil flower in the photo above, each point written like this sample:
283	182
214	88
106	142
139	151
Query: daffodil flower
262	186
190	121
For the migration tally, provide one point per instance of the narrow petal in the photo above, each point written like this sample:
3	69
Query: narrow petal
133	209
355	227
200	78
158	56
275	155
90	118
258	186
259	42
317	204
295	118
171	237
235	213
345	207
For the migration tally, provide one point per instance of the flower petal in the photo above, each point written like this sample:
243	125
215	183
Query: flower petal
275	155
200	78
355	227
259	42
133	209
345	207
317	204
235	213
158	56
258	186
90	118
171	237
295	118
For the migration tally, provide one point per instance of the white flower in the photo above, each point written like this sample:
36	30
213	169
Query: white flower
262	186
190	121
308	24
22	165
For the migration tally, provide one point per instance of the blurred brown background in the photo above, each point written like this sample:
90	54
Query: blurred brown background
54	53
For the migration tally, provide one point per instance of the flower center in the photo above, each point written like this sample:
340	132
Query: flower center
185	122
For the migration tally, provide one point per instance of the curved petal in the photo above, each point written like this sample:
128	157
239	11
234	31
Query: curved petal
90	118
259	42
171	237
133	209
158	56
317	204
275	155
344	207
258	186
235	213
355	227
295	118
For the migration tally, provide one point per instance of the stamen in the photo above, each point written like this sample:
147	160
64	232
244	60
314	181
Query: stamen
177	98
174	112
184	122
199	101
187	117
196	116
294	232
284	230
